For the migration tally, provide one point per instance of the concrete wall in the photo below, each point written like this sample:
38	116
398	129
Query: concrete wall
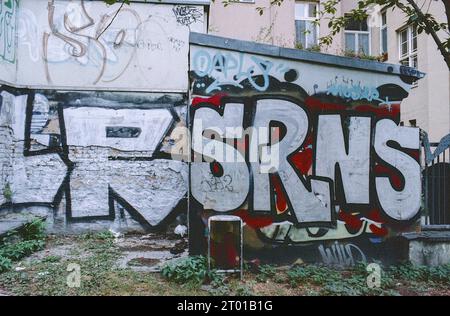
85	157
294	201
144	49
93	159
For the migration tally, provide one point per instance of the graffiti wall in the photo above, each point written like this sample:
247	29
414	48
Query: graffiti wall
306	149
141	47
8	21
310	155
92	159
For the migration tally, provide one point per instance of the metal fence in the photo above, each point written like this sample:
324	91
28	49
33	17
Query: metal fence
436	187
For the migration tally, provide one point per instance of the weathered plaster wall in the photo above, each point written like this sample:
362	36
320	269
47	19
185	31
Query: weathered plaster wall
24	179
92	157
339	182
93	160
429	253
68	44
8	34
6	149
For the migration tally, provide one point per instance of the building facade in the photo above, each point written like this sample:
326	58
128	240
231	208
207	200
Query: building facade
384	35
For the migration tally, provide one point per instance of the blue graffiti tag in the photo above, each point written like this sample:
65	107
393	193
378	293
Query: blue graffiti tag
348	90
443	145
226	69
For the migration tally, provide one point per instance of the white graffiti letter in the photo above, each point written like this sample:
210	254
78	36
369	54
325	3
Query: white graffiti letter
229	190
354	164
312	205
404	204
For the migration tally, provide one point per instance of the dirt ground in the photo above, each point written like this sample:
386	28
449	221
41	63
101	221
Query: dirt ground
130	266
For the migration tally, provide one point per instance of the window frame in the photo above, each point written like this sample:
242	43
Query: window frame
411	52
382	28
357	33
307	18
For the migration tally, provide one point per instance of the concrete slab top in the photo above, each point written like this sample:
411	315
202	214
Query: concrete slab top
431	236
302	55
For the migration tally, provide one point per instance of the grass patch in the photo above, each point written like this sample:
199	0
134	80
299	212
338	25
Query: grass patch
98	255
49	275
31	239
266	271
191	271
409	272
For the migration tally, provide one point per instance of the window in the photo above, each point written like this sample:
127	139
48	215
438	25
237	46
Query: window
307	32
357	37
384	35
407	39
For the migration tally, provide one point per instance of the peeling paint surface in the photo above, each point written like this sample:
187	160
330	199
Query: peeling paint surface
57	155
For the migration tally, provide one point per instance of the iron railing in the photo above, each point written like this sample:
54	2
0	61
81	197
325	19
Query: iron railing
436	187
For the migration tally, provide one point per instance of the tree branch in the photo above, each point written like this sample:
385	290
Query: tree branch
112	20
429	29
447	11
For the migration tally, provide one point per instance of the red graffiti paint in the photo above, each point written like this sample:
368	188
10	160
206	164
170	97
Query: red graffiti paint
392	112
351	220
378	231
258	221
375	215
391	173
355	222
413	153
215	100
216	168
317	106
303	160
280	197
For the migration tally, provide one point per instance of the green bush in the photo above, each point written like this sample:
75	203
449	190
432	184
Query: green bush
334	282
34	230
190	271
244	290
17	251
7	192
353	54
32	239
266	271
5	264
